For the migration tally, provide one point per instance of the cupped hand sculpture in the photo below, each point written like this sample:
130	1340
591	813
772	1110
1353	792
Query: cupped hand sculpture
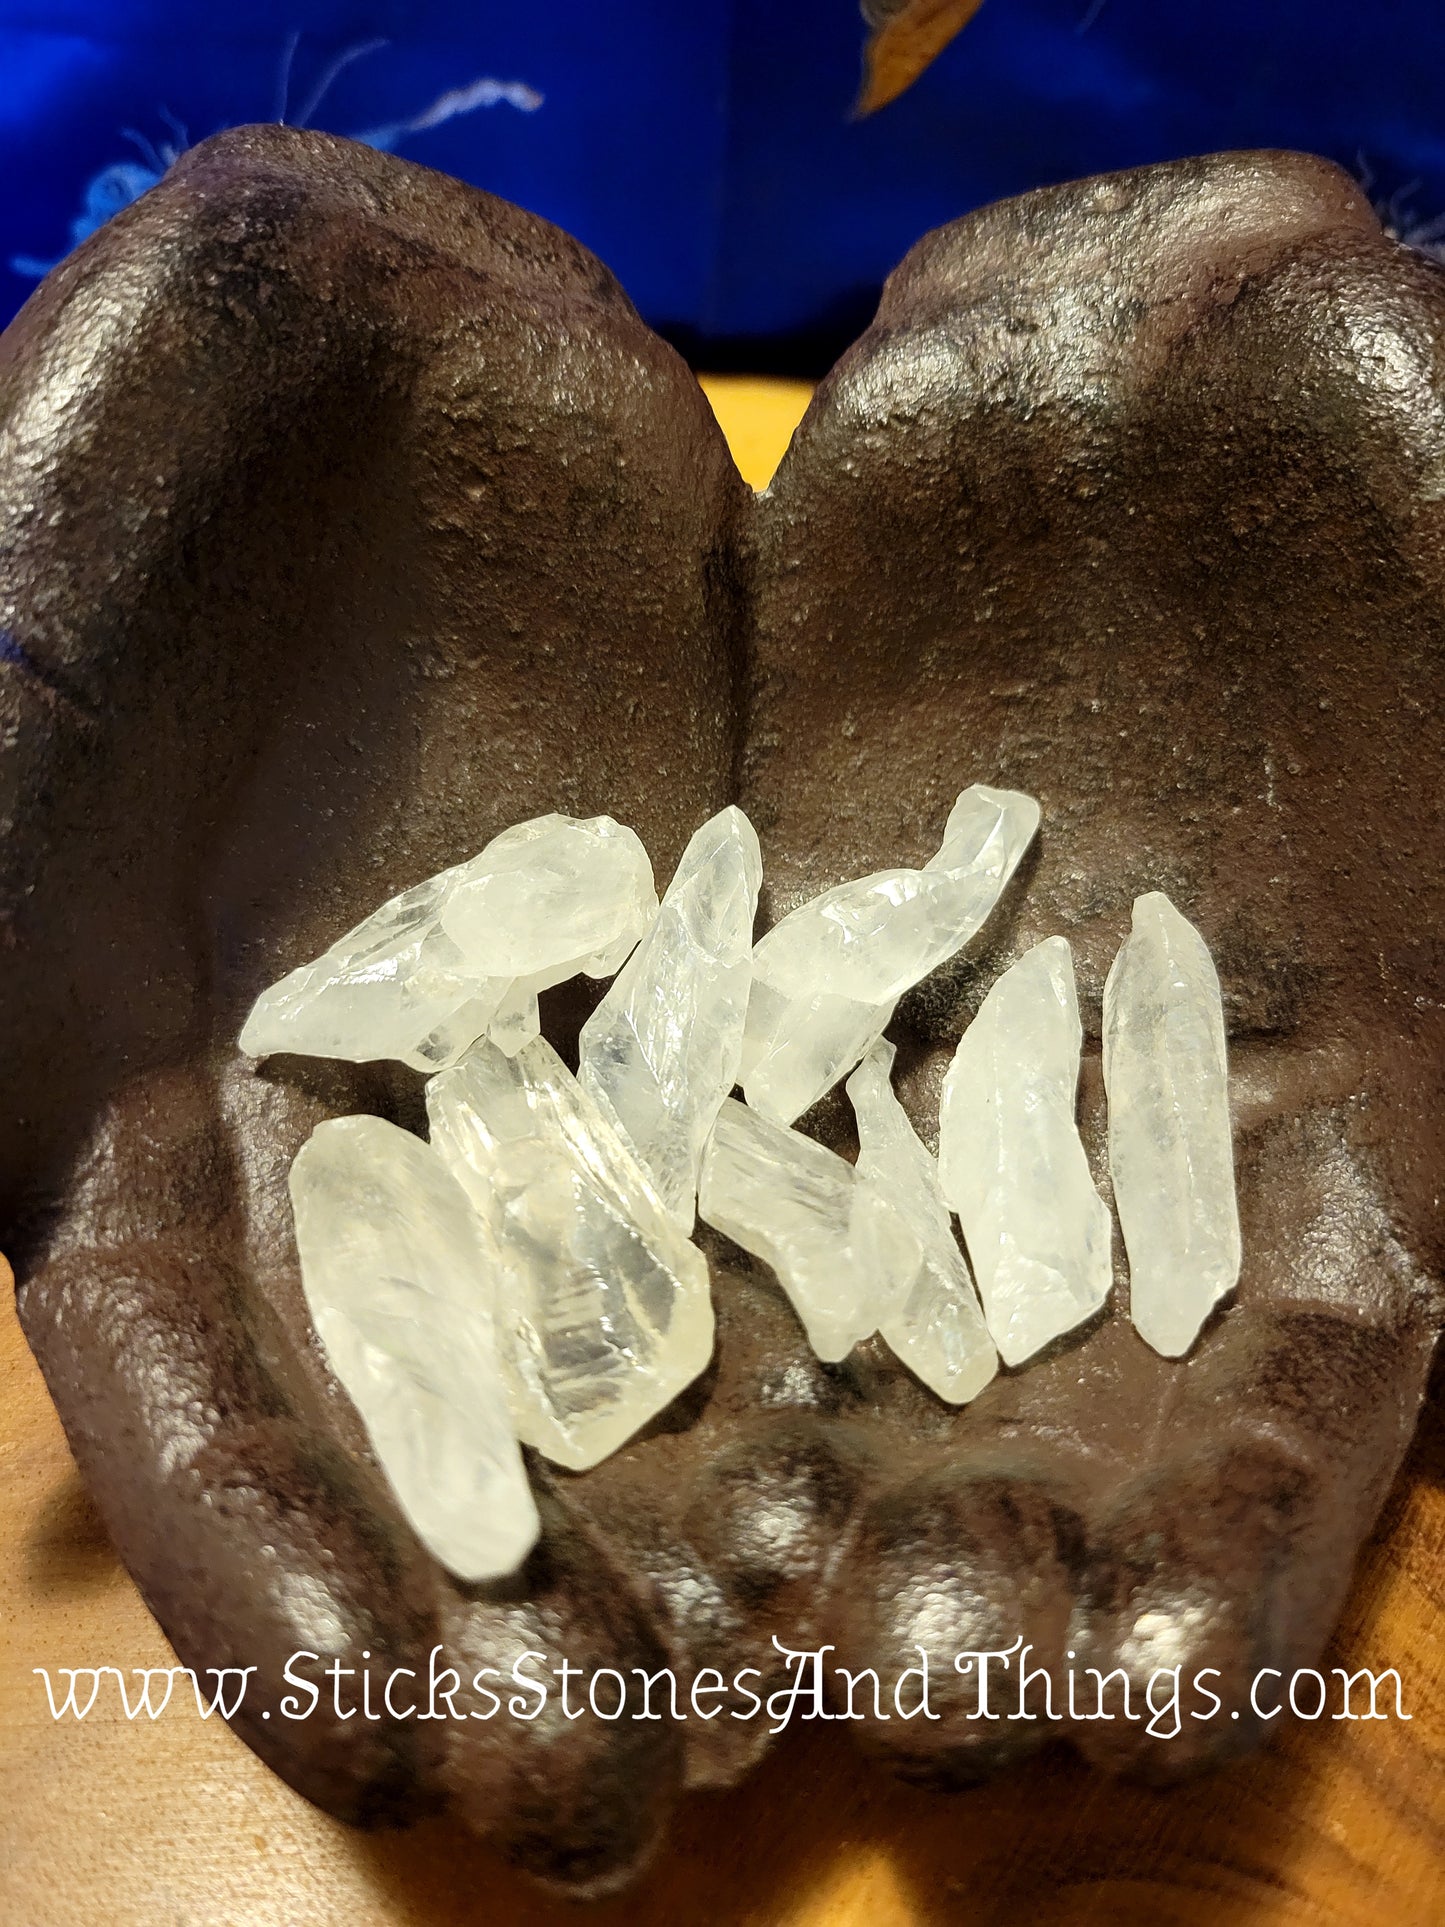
351	515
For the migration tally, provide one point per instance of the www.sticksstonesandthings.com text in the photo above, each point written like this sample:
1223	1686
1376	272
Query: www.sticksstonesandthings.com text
1002	1684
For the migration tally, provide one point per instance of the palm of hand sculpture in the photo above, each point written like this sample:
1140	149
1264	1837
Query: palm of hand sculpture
351	516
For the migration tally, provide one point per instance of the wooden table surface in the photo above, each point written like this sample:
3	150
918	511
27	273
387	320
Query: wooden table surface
176	1824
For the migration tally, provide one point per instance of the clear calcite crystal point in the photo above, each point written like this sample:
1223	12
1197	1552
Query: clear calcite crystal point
394	986
517	1020
604	1307
426	974
790	1202
1171	1153
661	1051
928	1313
826	978
556	888
1011	1161
400	1284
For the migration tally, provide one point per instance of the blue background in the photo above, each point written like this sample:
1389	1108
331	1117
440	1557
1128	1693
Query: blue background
704	148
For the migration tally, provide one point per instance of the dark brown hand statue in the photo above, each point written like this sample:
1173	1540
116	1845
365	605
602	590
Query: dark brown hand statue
351	516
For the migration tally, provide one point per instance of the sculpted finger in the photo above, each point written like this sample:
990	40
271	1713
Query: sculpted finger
242	1493
574	1774
1227	1560
257	1539
957	1591
735	1510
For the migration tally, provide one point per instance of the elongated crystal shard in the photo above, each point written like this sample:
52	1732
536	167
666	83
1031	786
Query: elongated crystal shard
426	974
400	1285
604	1307
827	977
1171	1152
395	986
1012	1163
517	1019
927	1309
661	1051
556	888
790	1202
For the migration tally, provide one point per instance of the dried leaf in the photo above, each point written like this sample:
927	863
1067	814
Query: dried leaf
907	35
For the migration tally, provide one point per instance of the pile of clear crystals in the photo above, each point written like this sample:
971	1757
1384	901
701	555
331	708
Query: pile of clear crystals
529	1275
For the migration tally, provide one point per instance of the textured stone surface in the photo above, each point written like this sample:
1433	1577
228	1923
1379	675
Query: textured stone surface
661	1050
927	1309
400	1286
791	1202
603	1304
1171	1150
349	516
427	973
827	977
1011	1161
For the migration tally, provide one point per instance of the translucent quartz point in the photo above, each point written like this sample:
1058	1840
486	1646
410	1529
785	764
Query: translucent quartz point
399	1283
426	974
1011	1161
790	1202
661	1051
1170	1148
604	1307
517	1020
826	979
395	986
555	888
928	1312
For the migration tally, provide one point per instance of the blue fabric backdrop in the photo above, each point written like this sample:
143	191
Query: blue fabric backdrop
704	147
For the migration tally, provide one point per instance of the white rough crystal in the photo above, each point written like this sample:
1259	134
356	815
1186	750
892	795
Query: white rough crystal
400	1288
426	974
556	888
1012	1163
604	1308
1170	1148
927	1311
661	1051
827	977
517	1020
790	1202
395	986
